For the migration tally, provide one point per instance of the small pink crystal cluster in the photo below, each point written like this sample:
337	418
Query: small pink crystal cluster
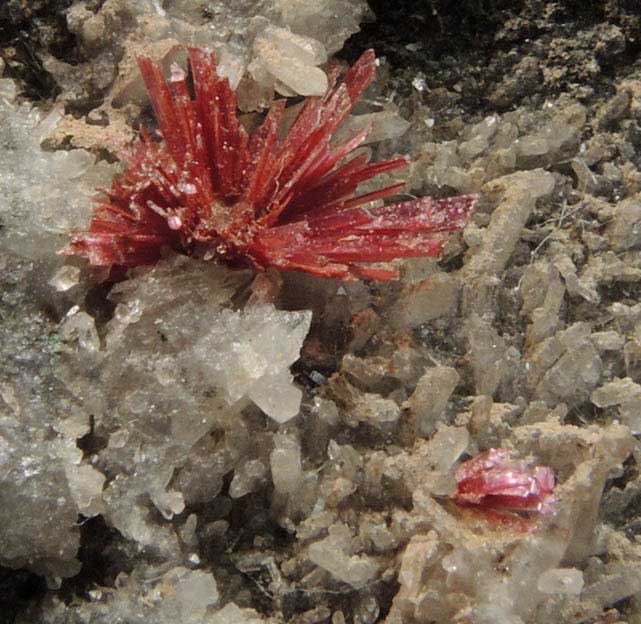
495	482
260	200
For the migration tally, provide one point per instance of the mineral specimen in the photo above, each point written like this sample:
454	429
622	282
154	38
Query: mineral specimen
494	481
159	391
212	189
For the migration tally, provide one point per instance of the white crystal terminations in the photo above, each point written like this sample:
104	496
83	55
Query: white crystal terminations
44	194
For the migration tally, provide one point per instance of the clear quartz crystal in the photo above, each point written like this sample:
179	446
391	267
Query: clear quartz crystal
291	60
65	278
80	326
286	464
174	364
247	478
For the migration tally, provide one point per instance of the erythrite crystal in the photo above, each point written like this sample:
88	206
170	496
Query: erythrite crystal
258	200
493	481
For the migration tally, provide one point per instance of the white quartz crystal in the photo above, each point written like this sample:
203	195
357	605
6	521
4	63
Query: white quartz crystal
561	581
431	396
247	478
446	447
255	348
332	554
233	614
624	393
175	594
193	592
80	327
286	464
291	61
261	45
327	21
44	193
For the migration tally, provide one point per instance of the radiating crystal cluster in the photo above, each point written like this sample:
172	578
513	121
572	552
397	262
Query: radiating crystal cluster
255	199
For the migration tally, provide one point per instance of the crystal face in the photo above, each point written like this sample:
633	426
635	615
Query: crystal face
494	481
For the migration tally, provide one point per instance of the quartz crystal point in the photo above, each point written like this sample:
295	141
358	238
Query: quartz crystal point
257	199
494	481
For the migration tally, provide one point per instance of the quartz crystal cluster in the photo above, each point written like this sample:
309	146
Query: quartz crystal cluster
37	221
263	46
174	364
44	481
279	43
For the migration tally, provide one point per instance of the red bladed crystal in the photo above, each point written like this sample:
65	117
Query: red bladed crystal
259	200
494	481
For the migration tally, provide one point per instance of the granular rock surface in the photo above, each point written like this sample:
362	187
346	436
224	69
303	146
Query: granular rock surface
196	444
